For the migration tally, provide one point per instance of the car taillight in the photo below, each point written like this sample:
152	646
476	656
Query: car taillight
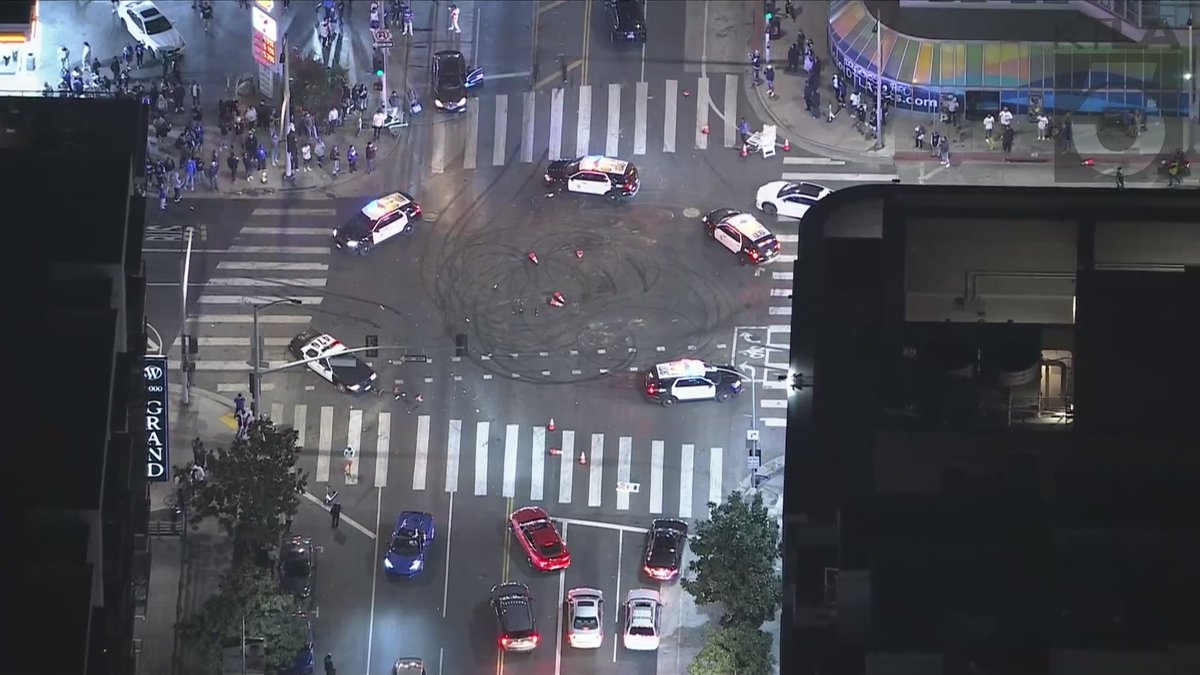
753	254
534	638
417	210
504	641
651	389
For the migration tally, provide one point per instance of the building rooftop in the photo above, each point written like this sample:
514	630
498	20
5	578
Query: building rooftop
1006	22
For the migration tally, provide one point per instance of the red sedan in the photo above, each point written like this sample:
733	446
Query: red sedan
538	536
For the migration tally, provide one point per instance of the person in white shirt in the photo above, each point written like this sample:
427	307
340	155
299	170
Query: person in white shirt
1043	123
377	121
1006	117
454	19
989	123
333	118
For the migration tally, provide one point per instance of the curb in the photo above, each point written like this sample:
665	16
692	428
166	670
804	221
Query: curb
822	149
205	394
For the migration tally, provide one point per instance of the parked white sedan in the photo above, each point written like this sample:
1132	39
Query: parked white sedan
585	613
643	616
151	28
789	199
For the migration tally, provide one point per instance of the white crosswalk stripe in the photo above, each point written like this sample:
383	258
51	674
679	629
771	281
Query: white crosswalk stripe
278	253
679	483
560	121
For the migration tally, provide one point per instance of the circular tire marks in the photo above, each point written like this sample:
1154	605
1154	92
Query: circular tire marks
619	295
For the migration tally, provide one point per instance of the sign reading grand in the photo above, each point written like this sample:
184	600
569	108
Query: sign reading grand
158	443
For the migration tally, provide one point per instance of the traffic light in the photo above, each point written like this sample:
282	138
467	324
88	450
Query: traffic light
377	63
769	7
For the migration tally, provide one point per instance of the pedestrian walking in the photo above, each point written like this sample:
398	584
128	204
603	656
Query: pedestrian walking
1006	139
197	450
64	59
348	464
177	180
189	170
335	156
248	164
306	154
407	13
232	162
214	170
333	119
127	55
989	124
919	138
1174	176
454	12
319	150
195	93
370	157
1066	133
377	121
743	130
274	146
260	158
1119	177
87	54
206	14
239	403
756	66
944	151
1006	117
329	670
1043	125
770	76
162	195
335	513
139	53
352	158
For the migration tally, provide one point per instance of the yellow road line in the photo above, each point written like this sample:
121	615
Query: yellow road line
557	76
229	420
550	5
587	38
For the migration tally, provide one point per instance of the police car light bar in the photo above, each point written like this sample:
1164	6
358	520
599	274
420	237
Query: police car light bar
408	358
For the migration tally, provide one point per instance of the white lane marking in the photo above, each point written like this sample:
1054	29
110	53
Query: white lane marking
566	464
716	468
208	299
482	429
624	460
780	311
383	449
527	135
843	177
301	423
287	231
554	147
275	266
781	292
290	250
583	126
596	471
249	318
701	113
325	444
345	519
773	403
603	526
437	157
234	342
814	161
500	135
233	366
453	443
252	281
782	276
511	439
470	152
687	463
537	468
730	117
232	387
639	118
669	119
656	476
784	259
774	384
267	211
788	238
421	455
354	441
774	422
277	414
613	139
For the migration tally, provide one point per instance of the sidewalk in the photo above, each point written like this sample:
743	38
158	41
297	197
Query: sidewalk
839	140
184	571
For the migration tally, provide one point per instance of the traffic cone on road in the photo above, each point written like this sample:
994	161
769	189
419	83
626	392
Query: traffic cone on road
686	93
557	299
579	254
582	458
787	145
550	426
704	129
745	152
532	257
1089	162
555	452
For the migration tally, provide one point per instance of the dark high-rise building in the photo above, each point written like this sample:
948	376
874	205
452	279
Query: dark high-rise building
74	450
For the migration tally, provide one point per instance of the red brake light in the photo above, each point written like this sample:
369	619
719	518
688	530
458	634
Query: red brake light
504	641
535	637
651	389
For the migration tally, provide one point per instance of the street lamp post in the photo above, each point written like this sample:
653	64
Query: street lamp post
878	84
184	339
256	353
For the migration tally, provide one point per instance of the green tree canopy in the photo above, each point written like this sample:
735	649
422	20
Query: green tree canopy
315	86
735	553
254	486
249	592
736	649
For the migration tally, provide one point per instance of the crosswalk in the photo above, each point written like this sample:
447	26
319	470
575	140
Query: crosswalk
483	458
269	262
618	119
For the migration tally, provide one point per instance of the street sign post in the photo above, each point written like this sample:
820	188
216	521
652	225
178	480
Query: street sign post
382	38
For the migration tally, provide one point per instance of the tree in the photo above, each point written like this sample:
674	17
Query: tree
254	486
249	593
315	86
736	649
736	550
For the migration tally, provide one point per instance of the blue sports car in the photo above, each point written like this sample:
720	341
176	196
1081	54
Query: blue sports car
411	541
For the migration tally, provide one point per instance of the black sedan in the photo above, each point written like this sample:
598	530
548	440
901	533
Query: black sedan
297	569
451	78
664	548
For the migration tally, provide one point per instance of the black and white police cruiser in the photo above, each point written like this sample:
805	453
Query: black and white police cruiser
380	220
337	365
613	178
742	234
691	380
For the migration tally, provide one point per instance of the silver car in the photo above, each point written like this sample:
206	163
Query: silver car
585	612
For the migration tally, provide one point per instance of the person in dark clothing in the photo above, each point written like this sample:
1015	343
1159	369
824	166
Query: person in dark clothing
335	513
329	669
139	53
248	164
1120	178
232	163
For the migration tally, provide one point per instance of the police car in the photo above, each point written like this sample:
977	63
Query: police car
336	364
595	175
691	380
379	220
742	234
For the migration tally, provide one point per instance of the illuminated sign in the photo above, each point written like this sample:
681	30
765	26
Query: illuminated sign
266	36
158	438
267	5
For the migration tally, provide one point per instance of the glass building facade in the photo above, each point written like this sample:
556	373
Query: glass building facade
1067	77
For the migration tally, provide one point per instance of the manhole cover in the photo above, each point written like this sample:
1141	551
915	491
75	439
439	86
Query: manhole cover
691	213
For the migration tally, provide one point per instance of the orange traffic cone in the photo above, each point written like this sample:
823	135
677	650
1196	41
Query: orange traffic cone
557	299
532	257
686	93
579	254
745	151
1089	162
787	145
582	458
704	129
550	426
555	452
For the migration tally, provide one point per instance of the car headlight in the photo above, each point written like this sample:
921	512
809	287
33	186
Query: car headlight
416	565
373	376
354	387
335	233
462	101
387	563
438	103
352	244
